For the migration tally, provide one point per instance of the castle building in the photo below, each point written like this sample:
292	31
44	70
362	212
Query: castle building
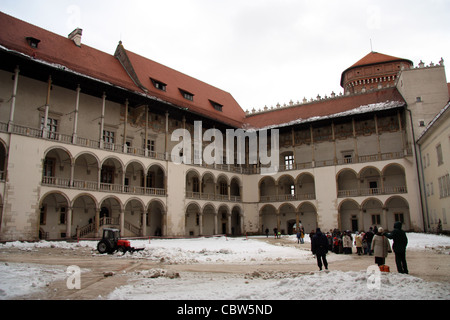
90	140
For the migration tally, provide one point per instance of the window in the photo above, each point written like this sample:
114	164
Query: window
52	127
289	161
216	106
43	215
376	219
195	185
150	145
223	188
108	136
187	95
399	217
62	215
159	85
107	175
292	190
439	154
33	42
444	186
49	167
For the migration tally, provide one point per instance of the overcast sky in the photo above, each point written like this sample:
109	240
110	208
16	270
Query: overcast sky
263	52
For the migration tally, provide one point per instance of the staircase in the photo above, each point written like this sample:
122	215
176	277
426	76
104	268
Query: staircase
88	231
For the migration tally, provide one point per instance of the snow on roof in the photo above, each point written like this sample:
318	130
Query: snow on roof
359	110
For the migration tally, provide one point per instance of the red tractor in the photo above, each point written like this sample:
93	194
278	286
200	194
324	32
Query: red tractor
111	242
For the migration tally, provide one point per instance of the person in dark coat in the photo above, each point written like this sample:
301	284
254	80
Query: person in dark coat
399	246
319	247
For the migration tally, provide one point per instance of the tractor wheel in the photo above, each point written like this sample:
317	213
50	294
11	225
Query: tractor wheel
122	249
103	247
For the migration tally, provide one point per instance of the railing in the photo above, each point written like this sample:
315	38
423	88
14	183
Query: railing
372	191
83	231
85	185
105	187
212	197
243	169
106	221
287	197
136	230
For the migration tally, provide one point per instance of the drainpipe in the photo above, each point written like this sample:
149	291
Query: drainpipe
418	162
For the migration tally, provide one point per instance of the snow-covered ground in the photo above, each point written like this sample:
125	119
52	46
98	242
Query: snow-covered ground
20	279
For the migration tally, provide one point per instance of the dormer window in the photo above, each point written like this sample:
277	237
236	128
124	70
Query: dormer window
187	95
33	42
216	106
159	85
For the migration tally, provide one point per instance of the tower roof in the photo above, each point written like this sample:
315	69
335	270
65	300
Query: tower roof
371	59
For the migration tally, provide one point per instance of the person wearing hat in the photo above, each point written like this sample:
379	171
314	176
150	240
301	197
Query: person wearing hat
399	246
319	247
380	247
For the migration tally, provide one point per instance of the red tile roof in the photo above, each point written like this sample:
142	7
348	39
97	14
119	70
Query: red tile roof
376	58
322	108
56	49
88	61
203	93
371	59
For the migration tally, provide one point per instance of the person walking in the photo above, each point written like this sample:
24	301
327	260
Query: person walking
319	247
358	243
368	237
399	246
347	242
299	235
302	235
380	247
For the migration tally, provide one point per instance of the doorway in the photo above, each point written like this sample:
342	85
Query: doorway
354	224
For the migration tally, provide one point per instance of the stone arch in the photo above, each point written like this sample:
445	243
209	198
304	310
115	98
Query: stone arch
192	219
86	171
134	209
134	177
209	212
267	188
370	180
307	215
155	219
288	217
56	166
372	209
397	209
394	179
268	217
53	206
347	183
349	215
208	184
236	220
112	172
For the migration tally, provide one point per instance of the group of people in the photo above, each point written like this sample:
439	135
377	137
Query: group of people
373	242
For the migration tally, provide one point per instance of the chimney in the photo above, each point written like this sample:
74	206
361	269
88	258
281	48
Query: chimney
75	36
